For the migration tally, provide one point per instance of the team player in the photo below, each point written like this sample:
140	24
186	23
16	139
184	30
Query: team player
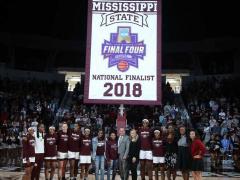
73	150
98	154
39	151
28	151
171	156
158	154
112	155
145	154
50	155
85	153
62	148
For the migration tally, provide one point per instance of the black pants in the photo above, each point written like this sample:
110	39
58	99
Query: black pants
133	168
39	158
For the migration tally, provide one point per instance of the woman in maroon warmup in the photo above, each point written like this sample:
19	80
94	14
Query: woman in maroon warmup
158	154
50	156
62	148
28	152
73	150
145	154
112	155
85	153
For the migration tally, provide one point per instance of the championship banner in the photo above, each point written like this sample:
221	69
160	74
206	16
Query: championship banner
123	55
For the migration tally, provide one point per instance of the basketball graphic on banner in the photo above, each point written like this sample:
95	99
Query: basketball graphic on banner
123	66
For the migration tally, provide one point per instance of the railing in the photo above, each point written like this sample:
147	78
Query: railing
11	156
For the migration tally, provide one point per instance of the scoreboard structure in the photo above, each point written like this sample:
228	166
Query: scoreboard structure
123	52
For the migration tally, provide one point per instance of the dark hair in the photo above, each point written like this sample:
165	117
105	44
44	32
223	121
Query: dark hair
178	134
100	130
171	133
38	129
182	126
186	131
112	132
196	133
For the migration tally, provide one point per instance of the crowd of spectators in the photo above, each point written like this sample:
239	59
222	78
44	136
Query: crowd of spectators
213	106
24	104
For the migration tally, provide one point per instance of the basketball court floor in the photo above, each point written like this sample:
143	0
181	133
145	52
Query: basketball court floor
7	174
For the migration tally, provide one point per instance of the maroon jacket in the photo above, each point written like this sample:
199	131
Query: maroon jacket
158	148
28	147
197	148
111	149
62	143
74	141
50	145
85	146
145	135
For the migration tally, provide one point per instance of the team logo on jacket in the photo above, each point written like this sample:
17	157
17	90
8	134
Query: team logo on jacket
64	137
51	141
123	49
114	146
145	134
86	142
32	142
157	143
100	143
75	137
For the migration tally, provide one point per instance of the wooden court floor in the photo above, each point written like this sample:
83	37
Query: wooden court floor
5	175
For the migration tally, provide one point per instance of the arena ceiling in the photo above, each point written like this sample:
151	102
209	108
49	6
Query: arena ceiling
185	20
38	29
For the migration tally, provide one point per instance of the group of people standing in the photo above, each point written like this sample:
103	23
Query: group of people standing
155	150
